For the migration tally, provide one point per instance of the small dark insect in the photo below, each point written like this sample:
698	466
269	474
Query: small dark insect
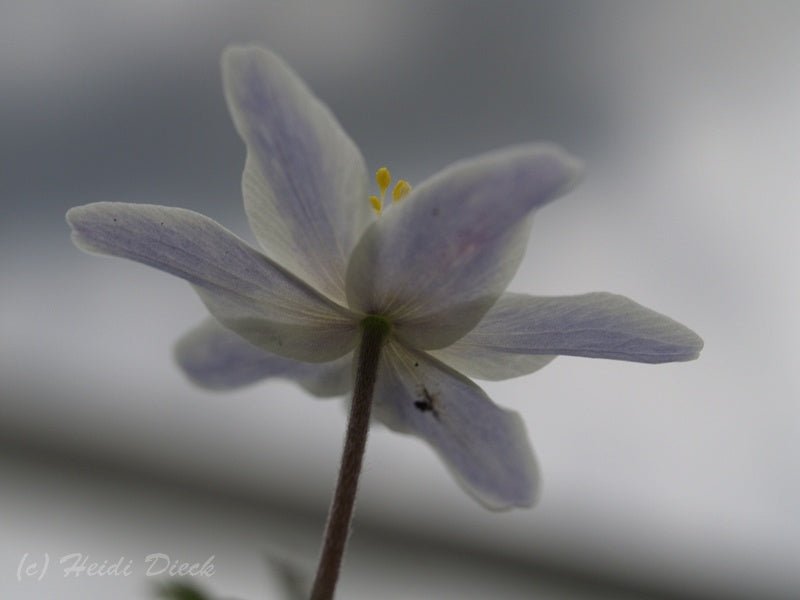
428	403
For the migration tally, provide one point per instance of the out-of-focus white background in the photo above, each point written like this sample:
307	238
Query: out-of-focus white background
676	481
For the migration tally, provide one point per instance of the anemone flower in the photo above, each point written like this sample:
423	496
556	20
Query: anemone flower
409	285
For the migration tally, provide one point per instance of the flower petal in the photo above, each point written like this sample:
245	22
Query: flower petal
215	357
520	334
489	364
436	262
305	181
485	447
242	288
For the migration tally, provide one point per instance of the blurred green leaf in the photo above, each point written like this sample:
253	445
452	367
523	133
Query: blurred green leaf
181	591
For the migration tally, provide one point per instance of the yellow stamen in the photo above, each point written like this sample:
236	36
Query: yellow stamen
401	190
383	178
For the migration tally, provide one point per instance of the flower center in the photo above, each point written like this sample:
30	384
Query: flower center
384	179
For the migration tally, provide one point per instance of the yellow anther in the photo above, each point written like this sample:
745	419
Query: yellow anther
401	190
377	205
383	178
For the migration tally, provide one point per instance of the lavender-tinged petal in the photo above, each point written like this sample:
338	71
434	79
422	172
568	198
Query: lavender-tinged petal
519	331
242	288
216	358
305	181
484	446
488	363
437	261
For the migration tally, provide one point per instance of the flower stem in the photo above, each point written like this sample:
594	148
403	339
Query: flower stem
374	333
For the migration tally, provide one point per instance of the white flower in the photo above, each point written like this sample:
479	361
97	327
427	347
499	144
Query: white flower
435	265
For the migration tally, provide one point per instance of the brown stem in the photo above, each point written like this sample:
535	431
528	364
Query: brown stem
375	330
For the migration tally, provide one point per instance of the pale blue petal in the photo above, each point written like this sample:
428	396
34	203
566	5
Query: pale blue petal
438	260
215	357
485	447
490	364
305	181
519	331
242	288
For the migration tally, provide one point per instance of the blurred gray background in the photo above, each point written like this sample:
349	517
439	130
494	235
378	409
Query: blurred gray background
678	481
